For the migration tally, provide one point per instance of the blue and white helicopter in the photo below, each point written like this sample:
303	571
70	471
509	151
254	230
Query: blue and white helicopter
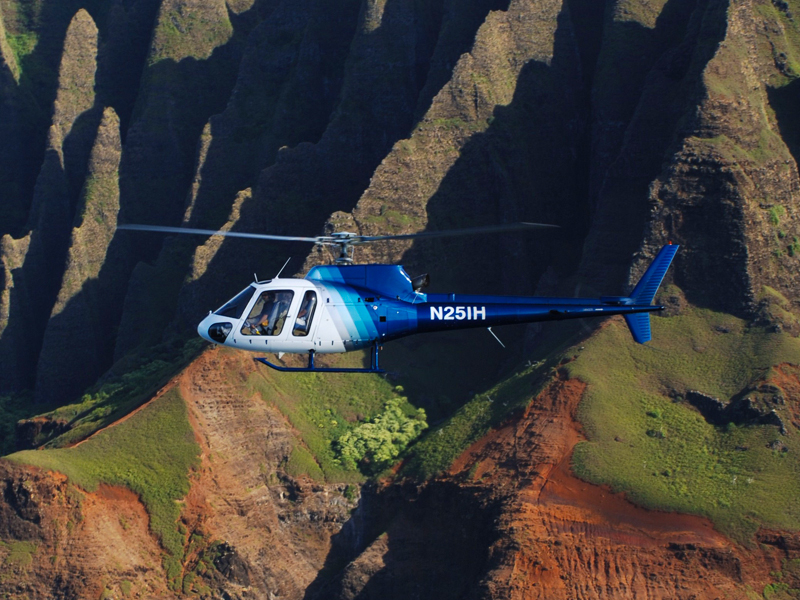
344	306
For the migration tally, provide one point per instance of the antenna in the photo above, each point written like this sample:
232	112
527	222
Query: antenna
255	278
283	267
489	329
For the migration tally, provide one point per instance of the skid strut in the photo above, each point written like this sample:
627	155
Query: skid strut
311	368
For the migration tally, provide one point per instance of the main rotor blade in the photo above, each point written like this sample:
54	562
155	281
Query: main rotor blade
454	232
258	236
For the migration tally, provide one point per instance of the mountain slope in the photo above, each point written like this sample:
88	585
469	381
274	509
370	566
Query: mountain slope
629	123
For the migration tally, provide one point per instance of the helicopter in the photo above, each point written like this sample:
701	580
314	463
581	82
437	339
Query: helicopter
346	306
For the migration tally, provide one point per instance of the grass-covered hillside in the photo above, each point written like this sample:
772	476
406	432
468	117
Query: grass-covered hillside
644	437
152	453
351	426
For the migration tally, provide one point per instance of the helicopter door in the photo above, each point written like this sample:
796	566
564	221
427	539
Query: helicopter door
396	321
268	314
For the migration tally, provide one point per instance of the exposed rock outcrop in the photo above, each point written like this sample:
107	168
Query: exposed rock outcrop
474	157
729	191
191	69
77	344
55	196
664	120
508	521
384	84
740	411
69	544
74	123
16	356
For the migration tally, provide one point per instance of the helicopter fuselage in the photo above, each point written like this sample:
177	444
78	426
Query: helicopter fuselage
346	307
349	307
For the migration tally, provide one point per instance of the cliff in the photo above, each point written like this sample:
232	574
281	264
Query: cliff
74	124
90	299
508	519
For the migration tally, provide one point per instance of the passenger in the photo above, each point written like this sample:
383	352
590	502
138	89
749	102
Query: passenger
304	315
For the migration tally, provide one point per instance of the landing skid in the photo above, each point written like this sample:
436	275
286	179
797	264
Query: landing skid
374	368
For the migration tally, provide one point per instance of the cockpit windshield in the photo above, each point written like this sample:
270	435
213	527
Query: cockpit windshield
235	307
268	313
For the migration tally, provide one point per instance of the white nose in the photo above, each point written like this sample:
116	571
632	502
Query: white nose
202	328
214	329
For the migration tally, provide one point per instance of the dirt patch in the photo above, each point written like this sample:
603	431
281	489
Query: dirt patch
613	517
115	530
81	543
277	529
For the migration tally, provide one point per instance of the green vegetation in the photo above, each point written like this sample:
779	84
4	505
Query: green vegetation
794	248
776	308
393	219
323	407
100	195
182	34
782	45
769	147
778	591
641	12
644	440
301	462
460	124
374	446
350	492
20	554
150	453
117	396
22	44
441	446
775	215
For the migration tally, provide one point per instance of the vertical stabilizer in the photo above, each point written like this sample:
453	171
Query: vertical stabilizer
645	291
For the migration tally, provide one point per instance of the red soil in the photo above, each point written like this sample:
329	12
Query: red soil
563	538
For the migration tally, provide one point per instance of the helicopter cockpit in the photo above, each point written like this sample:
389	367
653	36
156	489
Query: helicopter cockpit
234	307
268	313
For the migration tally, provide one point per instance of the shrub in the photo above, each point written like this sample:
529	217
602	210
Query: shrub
376	444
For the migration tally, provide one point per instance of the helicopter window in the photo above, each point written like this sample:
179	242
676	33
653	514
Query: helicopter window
235	307
305	314
268	313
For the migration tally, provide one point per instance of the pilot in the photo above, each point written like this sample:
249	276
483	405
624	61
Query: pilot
259	327
258	318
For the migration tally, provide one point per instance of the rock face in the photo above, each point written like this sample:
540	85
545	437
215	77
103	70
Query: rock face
627	122
731	165
273	533
71	134
90	299
740	411
65	541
